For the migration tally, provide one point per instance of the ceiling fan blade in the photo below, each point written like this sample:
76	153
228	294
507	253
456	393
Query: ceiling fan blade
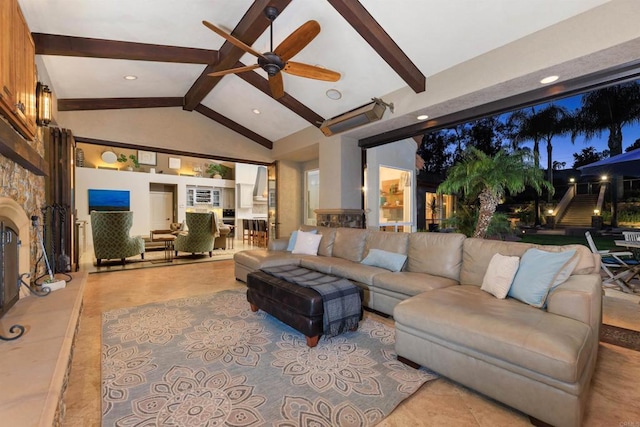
234	70
311	71
277	86
297	40
234	41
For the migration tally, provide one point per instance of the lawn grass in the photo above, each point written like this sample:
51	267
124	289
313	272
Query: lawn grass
602	242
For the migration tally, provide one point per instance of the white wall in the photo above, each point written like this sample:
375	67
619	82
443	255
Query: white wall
138	185
340	170
399	154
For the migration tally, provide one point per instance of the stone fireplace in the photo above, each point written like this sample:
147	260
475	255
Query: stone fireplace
15	252
352	218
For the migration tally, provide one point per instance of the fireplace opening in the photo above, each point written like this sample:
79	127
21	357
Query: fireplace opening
9	265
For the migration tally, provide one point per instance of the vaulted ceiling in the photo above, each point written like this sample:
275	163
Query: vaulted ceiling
378	47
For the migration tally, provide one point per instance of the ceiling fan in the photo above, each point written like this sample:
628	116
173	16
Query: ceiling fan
275	61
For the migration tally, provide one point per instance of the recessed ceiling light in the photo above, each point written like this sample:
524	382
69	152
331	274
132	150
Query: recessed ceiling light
334	94
130	77
255	111
422	117
549	79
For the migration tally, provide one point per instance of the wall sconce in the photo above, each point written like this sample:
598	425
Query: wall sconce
43	105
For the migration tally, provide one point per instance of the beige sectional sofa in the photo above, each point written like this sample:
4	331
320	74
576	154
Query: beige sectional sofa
539	361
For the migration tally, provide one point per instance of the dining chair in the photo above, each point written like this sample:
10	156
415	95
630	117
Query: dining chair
614	264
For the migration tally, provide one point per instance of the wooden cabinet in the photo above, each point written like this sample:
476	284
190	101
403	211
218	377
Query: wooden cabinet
17	69
7	96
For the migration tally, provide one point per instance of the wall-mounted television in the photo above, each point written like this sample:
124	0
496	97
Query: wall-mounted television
109	200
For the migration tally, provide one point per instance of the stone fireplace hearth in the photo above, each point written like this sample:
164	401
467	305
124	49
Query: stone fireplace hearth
18	221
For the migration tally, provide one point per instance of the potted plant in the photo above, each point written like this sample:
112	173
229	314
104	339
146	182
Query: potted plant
216	170
134	160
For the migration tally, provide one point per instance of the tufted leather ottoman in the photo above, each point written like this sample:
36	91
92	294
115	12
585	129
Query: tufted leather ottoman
297	306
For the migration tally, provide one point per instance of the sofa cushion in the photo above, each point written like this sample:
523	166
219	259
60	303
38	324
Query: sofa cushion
306	243
255	259
294	238
499	276
410	284
349	243
356	272
477	254
439	254
387	241
322	264
384	259
504	332
539	272
328	237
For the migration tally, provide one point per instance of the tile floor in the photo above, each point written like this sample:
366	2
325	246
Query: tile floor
614	398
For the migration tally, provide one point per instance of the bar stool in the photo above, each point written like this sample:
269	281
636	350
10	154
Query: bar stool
247	230
260	232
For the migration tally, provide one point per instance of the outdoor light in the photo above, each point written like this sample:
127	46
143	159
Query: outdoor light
43	105
550	211
572	180
603	178
596	211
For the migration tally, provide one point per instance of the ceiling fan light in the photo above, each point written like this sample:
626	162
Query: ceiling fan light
334	94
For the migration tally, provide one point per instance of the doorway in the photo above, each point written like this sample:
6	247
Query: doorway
312	195
161	206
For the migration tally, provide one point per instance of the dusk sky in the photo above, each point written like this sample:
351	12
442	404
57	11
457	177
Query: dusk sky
563	149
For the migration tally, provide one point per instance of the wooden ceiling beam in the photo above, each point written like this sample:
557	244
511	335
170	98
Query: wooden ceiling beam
236	127
362	21
78	104
251	26
260	83
51	44
170	151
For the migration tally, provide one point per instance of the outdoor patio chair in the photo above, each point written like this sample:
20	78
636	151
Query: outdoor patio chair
631	236
614	264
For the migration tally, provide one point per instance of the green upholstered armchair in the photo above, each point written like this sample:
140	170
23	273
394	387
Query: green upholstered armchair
111	238
200	236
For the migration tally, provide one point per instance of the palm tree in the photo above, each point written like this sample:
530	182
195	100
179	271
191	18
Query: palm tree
609	109
538	126
488	178
553	121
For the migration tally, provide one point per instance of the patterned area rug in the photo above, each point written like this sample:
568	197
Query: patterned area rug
621	337
210	361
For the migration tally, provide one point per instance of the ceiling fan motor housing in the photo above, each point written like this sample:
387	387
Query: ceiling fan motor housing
271	63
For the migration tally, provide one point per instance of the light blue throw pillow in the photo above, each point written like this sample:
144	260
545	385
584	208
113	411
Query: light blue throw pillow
294	236
539	272
389	260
